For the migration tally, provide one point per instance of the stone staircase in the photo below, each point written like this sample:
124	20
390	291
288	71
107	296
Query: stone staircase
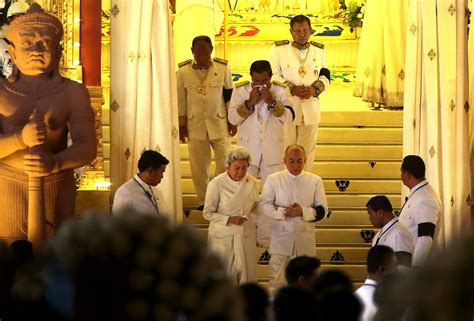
358	156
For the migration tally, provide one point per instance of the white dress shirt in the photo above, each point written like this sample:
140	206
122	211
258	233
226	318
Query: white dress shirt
396	236
365	294
285	189
137	195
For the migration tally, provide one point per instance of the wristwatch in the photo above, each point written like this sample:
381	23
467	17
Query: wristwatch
272	106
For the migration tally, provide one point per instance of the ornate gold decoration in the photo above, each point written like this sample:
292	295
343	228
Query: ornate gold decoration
115	10
174	132
367	72
431	54
127	154
401	75
114	106
452	9
131	56
452	105
432	151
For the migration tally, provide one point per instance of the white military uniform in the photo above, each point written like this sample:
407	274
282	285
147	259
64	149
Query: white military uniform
301	67
136	195
422	206
396	236
236	244
262	132
365	294
295	236
201	107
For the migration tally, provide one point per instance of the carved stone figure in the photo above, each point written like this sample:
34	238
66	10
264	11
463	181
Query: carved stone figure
38	110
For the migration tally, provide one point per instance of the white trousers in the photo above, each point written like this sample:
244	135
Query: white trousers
306	136
200	160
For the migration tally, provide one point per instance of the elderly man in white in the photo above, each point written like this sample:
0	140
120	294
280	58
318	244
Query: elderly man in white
230	206
294	200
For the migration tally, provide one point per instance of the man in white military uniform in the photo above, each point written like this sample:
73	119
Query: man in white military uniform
380	261
392	233
260	109
204	88
301	66
422	209
294	199
138	193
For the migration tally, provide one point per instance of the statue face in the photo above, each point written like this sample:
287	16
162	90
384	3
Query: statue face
35	50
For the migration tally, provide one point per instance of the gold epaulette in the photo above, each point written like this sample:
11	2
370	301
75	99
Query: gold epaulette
278	83
317	44
184	63
281	42
220	60
242	83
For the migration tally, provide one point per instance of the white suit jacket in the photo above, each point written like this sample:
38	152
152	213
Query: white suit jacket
285	62
284	189
137	195
261	132
396	236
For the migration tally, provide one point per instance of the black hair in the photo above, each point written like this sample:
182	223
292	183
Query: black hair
299	19
301	266
261	66
292	303
205	39
414	165
380	202
151	158
256	301
378	256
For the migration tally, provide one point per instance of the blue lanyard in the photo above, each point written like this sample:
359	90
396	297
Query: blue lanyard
406	200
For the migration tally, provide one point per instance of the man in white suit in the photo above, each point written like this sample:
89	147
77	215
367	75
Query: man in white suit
300	64
294	199
422	209
260	108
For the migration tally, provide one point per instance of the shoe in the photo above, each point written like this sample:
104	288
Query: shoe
200	208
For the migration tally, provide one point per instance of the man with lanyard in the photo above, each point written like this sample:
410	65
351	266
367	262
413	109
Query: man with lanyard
380	261
137	193
422	209
392	233
300	65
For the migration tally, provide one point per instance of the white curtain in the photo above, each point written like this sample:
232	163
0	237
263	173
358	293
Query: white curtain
143	104
436	108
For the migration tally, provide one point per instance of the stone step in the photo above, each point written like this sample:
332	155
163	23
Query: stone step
341	152
331	236
338	186
369	118
329	255
354	135
342	201
336	169
337	218
357	273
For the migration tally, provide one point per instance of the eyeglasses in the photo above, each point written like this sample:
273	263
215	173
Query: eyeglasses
301	31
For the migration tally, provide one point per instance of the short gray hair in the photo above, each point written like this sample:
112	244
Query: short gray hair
236	153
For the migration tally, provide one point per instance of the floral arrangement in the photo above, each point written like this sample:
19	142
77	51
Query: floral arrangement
355	13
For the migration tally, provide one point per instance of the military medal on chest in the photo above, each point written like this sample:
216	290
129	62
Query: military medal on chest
201	88
302	70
